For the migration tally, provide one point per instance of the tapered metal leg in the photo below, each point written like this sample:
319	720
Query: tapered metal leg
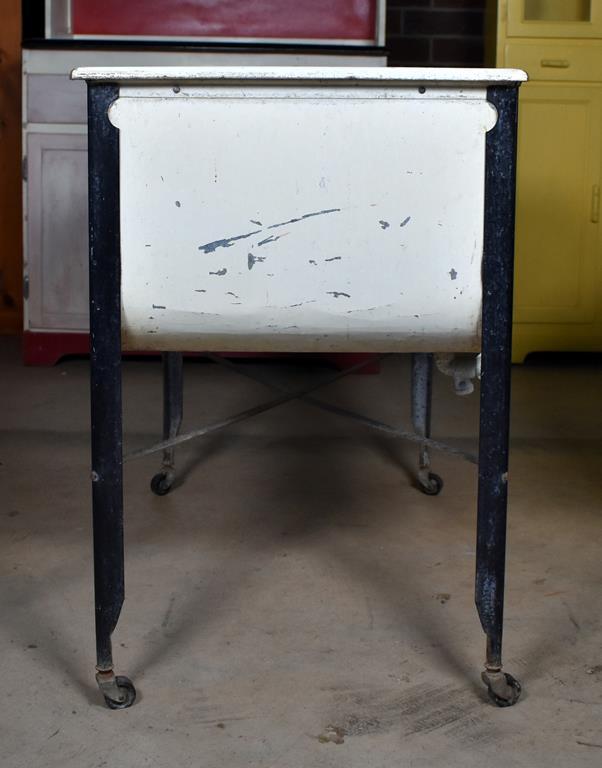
105	380
173	382
495	391
422	383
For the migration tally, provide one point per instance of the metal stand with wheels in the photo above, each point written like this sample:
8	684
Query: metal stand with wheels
493	275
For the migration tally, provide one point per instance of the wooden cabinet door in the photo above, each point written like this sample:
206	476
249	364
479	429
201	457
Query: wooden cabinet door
557	203
57	231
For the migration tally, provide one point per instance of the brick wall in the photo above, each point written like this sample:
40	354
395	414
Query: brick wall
437	33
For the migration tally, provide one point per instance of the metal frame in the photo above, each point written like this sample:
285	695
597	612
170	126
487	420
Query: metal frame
173	409
420	395
496	348
105	386
106	412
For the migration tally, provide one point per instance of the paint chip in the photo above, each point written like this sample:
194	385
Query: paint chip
178	204
252	260
384	224
220	272
226	242
301	303
405	221
453	274
270	239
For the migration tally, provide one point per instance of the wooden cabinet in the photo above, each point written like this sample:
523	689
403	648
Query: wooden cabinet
558	281
557	203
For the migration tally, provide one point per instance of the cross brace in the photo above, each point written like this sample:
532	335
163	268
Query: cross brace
305	396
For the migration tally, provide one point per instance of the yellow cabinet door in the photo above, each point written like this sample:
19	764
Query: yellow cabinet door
553	18
558	199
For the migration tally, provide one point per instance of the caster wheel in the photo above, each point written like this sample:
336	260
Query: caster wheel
161	484
514	688
126	687
433	486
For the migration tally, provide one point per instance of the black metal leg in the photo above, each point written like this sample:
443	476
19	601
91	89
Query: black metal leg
173	381
422	382
495	390
105	380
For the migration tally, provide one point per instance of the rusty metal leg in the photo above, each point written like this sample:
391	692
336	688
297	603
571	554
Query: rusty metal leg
105	390
422	380
173	381
495	391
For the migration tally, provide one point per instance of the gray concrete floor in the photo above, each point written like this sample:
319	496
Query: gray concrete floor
295	580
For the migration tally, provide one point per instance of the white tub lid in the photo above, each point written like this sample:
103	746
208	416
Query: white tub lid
382	76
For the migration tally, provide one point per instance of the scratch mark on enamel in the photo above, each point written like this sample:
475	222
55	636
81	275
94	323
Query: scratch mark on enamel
226	242
305	216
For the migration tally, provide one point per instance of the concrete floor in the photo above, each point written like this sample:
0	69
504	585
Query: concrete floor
296	581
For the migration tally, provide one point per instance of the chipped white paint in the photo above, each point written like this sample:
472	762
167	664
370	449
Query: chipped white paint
279	217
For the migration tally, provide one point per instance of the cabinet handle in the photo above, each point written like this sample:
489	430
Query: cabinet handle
556	63
595	212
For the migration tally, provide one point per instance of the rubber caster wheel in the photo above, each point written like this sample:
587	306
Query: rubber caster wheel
515	691
161	484
126	687
433	486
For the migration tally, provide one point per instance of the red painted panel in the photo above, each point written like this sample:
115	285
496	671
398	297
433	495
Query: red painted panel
301	19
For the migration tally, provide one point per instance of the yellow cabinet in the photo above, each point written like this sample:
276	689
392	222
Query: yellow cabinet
558	274
558	196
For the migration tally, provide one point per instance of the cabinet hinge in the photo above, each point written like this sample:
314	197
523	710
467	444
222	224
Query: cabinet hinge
24	168
595	210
